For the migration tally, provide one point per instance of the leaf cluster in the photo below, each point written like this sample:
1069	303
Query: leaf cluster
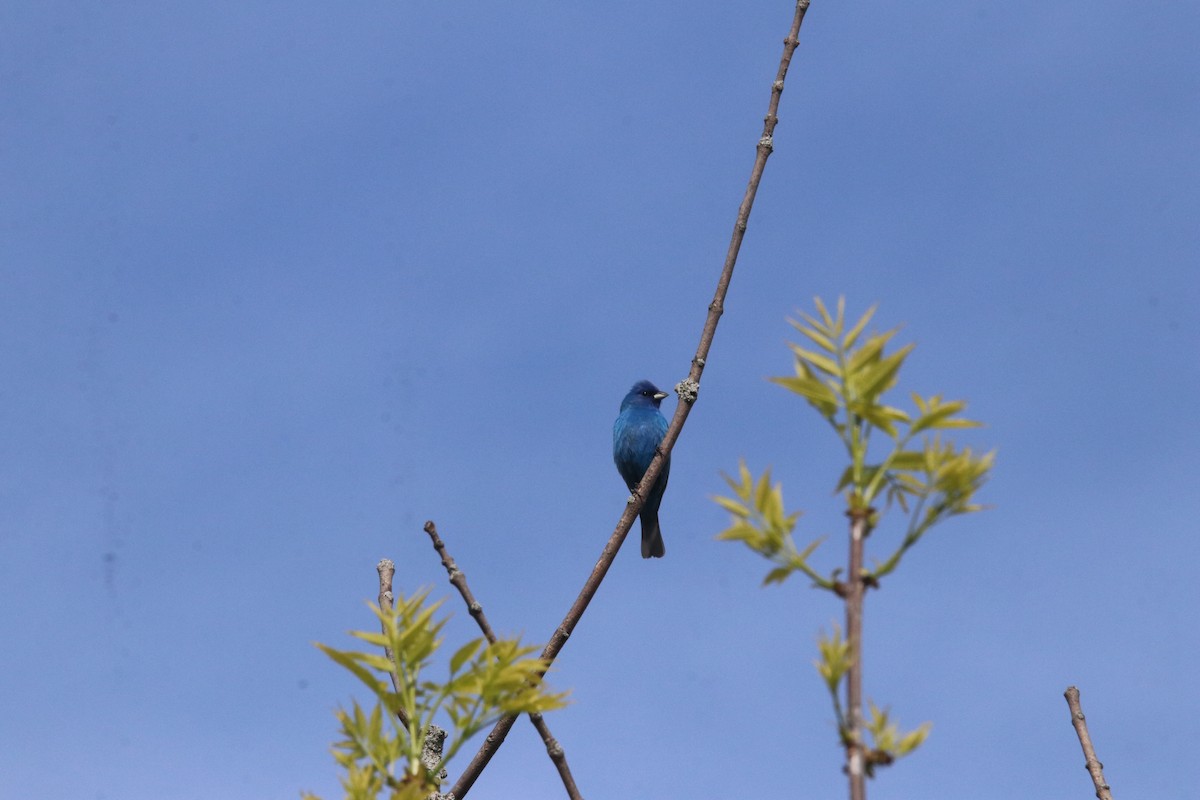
888	743
485	681
844	373
761	523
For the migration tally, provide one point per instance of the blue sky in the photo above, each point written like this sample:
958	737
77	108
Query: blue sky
283	280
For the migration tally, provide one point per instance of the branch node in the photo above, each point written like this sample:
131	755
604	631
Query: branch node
1090	762
475	608
688	389
767	142
431	751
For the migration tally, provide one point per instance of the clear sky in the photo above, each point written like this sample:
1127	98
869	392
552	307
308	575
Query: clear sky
281	281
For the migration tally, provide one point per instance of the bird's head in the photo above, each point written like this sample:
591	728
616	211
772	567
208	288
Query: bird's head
643	394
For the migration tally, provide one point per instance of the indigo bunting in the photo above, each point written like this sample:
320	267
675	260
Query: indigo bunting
638	431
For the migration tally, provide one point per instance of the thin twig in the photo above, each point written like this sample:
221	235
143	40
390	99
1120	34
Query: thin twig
687	391
856	749
1090	762
435	737
459	580
386	569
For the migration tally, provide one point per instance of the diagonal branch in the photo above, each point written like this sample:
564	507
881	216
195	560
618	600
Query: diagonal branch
1090	762
687	391
459	581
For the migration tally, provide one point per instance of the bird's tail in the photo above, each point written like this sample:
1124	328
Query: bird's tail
652	541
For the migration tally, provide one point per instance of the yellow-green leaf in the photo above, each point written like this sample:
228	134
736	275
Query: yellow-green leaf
829	323
823	363
812	390
777	575
464	654
732	506
869	352
852	335
762	491
880	377
908	460
820	339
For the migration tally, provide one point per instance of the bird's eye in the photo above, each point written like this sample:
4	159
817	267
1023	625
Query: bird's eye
645	393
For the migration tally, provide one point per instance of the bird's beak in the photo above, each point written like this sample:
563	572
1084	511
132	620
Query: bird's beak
660	395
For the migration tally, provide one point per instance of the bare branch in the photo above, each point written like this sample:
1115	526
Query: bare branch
1090	762
431	751
387	569
856	749
687	391
459	580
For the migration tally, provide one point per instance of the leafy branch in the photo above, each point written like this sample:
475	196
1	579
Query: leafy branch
896	458
845	380
760	522
487	680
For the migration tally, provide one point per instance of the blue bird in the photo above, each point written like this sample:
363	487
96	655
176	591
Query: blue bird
638	431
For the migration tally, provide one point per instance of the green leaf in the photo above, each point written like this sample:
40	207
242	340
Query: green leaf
822	341
882	375
350	662
852	335
811	321
869	472
808	551
762	491
823	363
743	532
777	575
936	414
829	323
732	506
834	659
746	479
370	637
914	739
958	423
882	417
870	352
464	654
907	460
813	390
